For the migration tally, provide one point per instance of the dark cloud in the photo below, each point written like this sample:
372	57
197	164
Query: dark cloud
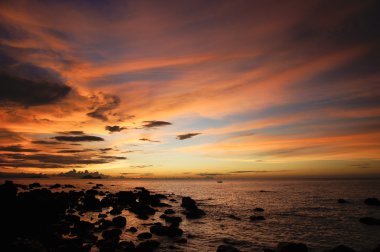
79	174
153	124
45	142
16	148
187	136
84	138
22	175
74	151
114	128
148	140
102	111
7	135
52	160
140	166
28	85
74	132
105	149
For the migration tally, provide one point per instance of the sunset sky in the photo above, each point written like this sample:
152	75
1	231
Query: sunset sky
190	88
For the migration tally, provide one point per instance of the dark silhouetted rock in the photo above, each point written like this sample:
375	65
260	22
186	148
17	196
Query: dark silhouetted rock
182	240
192	210
111	234
169	211
342	201
291	247
377	249
370	221
90	203
55	186
227	248
231	216
145	235
372	202
102	215
256	218
116	210
119	221
148	246
125	198
127	246
171	231
342	248
258	209
34	185
132	229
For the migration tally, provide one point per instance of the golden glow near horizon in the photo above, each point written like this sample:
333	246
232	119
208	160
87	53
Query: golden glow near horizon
190	89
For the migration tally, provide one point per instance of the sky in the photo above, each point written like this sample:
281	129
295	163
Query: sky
197	89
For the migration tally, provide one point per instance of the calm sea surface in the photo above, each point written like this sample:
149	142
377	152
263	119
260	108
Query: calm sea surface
295	210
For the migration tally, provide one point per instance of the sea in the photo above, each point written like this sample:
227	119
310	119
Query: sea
296	210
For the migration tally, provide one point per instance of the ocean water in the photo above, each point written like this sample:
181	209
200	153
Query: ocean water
295	210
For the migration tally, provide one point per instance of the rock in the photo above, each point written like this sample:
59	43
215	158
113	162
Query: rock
258	209
119	221
83	228
257	218
171	231
169	211
127	246
182	240
377	249
69	186
142	209
34	185
372	202
370	221
132	230
231	216
145	235
116	210
148	246
125	198
171	219
107	245
102	215
111	234
55	186
90	203
342	248
342	201
291	247
227	248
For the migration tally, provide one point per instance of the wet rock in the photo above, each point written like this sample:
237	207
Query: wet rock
370	221
182	240
171	219
69	186
342	248
372	202
119	221
171	231
107	245
234	217
132	230
342	201
111	234
34	185
142	209
169	211
256	218
258	209
55	186
8	192
227	248
192	210
377	249
125	198
116	210
102	215
72	218
148	246
145	235
90	203
127	246
83	228
291	247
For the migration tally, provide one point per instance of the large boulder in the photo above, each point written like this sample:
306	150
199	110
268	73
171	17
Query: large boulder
372	202
227	248
291	247
119	221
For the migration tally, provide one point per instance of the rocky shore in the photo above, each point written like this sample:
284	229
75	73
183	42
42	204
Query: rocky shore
60	217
